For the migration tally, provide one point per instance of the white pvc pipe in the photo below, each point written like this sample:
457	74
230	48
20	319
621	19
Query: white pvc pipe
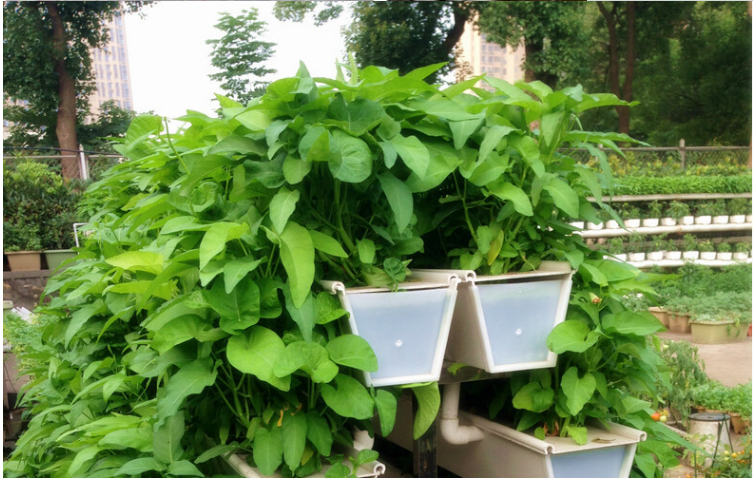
450	430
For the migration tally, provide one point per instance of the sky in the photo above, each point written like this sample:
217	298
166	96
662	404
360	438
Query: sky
170	62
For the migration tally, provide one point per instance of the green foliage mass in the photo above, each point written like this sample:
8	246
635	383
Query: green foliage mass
668	185
193	323
39	208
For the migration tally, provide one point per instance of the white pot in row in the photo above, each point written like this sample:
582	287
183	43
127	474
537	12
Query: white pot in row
654	222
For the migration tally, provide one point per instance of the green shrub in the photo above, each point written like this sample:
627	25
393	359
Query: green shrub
651	185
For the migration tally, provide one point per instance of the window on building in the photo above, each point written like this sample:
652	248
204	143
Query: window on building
123	72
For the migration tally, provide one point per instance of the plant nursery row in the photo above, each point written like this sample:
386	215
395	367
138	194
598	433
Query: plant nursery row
272	288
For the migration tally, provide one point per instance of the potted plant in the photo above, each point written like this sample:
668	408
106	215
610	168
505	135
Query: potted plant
742	251
658	248
724	251
22	246
707	250
738	209
678	319
617	248
703	214
719	212
579	225
58	240
748	209
636	248
690	247
722	317
654	211
631	217
672	251
676	212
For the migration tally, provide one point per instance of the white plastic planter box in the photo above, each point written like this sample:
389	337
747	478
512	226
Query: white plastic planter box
737	219
621	256
720	220
594	226
687	220
749	218
632	223
674	255
668	221
578	224
505	452
650	222
612	225
655	255
703	220
740	256
501	323
407	329
708	255
637	256
725	256
691	255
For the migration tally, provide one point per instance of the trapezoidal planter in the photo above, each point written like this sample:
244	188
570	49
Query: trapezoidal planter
501	323
503	451
407	329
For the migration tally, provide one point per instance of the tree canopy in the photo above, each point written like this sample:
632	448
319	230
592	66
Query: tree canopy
48	69
239	55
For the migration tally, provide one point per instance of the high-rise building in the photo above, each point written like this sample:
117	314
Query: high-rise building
478	56
111	70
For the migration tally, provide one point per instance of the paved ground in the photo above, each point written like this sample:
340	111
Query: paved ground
728	363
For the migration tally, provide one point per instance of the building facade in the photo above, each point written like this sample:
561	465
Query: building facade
478	56
111	70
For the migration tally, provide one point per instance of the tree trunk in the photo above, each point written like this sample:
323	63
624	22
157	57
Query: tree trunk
65	128
614	64
624	112
531	48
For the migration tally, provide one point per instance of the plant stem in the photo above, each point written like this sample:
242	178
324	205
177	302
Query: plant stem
462	196
170	142
339	220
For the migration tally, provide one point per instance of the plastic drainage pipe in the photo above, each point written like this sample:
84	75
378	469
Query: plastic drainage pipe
450	430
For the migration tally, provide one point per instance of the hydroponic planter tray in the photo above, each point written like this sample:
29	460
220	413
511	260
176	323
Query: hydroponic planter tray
505	452
407	329
243	469
501	323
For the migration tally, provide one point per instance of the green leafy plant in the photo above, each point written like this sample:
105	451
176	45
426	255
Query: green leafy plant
671	245
685	370
706	246
21	236
616	245
724	247
194	323
677	209
36	199
659	242
739	206
704	209
743	247
636	243
669	185
689	243
631	212
654	209
719	208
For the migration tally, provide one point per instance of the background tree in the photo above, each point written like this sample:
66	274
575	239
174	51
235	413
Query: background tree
46	65
239	55
399	35
698	87
552	34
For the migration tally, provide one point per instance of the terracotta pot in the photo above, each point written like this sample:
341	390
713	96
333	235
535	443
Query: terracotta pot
24	260
679	324
738	423
660	314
